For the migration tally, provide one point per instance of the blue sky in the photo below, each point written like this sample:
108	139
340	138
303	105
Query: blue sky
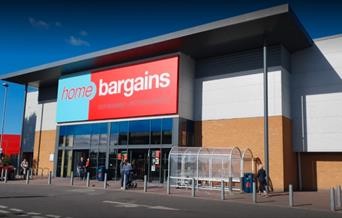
37	32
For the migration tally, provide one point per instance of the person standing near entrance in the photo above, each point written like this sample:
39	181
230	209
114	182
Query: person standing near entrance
122	164
87	166
24	166
261	176
81	168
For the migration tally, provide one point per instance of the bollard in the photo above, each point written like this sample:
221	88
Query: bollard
124	182
230	185
88	179
291	202
222	190
254	193
241	184
105	181
168	186
338	196
332	199
49	178
2	174
145	183
27	178
31	173
72	178
5	178
193	187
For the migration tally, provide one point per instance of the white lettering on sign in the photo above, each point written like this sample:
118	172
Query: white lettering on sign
131	85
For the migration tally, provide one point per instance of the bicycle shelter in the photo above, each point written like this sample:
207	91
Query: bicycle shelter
208	166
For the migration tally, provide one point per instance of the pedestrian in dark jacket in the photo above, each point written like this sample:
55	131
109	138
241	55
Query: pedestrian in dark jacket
81	168
261	176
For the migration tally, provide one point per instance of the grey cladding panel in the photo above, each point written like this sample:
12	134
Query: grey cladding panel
237	62
47	93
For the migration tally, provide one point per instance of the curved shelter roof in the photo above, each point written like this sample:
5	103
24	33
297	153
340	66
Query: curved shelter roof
275	25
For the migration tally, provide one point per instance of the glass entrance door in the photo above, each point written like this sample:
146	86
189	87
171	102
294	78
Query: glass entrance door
77	154
139	161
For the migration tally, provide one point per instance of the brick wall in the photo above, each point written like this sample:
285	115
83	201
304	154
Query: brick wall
44	145
321	171
249	133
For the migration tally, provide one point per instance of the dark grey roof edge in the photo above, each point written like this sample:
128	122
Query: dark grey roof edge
259	14
300	24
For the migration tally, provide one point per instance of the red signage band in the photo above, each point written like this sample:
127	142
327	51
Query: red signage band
145	89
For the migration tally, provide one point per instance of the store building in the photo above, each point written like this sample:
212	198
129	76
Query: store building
202	86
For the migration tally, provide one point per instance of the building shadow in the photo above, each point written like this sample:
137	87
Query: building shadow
313	78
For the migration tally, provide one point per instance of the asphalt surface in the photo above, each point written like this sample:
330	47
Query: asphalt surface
70	202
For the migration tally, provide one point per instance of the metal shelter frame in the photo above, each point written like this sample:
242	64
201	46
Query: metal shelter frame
208	166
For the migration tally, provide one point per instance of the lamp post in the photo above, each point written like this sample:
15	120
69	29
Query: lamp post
5	85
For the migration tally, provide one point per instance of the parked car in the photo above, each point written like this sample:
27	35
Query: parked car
10	170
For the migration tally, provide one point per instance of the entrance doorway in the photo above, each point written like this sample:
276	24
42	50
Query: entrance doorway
77	156
139	161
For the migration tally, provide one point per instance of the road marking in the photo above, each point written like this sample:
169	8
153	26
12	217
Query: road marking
16	210
122	204
3	206
83	190
130	205
162	208
3	211
53	216
33	213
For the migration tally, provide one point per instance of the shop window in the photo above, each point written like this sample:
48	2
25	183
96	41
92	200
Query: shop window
139	132
156	131
167	131
186	132
123	133
66	136
82	135
99	134
114	134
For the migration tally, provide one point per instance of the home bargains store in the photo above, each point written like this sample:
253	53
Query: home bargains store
254	81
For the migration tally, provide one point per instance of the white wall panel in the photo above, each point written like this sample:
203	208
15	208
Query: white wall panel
33	109
237	95
316	96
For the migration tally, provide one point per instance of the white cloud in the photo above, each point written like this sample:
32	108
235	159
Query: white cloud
58	24
77	41
39	23
83	33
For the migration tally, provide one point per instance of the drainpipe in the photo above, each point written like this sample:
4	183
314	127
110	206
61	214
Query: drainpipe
266	147
22	132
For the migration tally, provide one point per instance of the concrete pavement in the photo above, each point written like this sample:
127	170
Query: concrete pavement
61	199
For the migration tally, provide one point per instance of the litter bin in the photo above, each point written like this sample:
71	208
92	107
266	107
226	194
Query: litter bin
100	171
248	182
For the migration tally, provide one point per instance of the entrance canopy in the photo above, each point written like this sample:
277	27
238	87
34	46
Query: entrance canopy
208	164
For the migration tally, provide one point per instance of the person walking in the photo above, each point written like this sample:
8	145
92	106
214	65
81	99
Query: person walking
87	166
261	176
81	168
24	167
127	170
122	164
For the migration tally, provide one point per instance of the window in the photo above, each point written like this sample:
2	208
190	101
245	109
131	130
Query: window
114	134
82	135
139	132
156	131
123	133
167	131
99	134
